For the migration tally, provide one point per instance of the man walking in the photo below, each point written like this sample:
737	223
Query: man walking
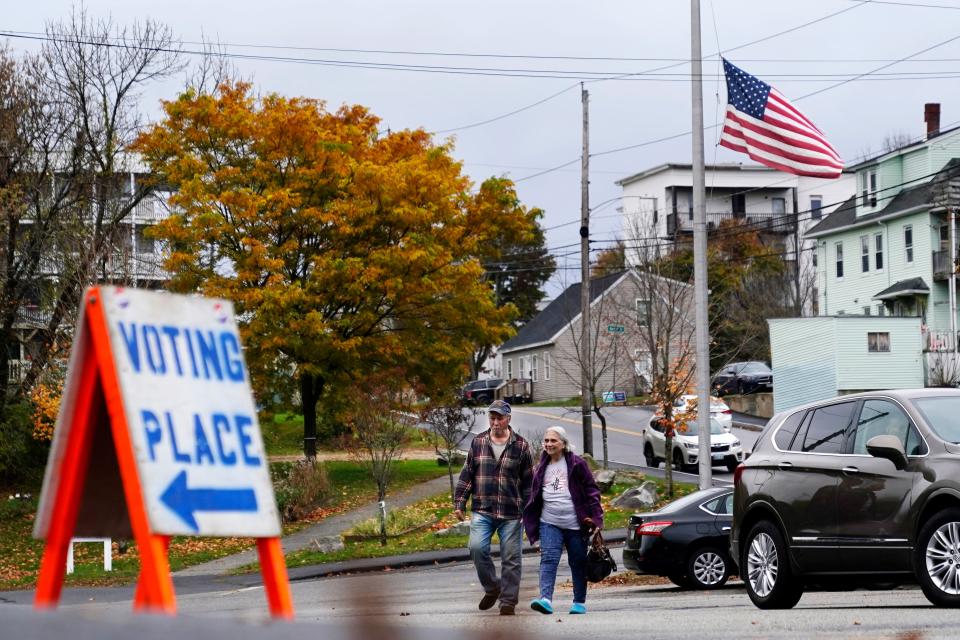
498	473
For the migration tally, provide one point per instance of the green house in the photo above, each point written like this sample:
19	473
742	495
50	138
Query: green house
883	264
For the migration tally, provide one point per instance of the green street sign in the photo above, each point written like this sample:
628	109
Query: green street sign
615	328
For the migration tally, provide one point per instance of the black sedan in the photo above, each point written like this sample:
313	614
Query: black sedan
743	377
687	541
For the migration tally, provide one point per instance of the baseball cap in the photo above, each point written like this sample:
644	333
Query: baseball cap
499	406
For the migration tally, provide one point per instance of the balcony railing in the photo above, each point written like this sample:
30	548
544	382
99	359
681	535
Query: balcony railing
764	221
17	370
937	340
32	317
941	264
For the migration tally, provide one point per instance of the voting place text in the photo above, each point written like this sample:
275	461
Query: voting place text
190	413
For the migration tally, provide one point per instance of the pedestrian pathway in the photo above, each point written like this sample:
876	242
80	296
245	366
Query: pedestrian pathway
332	526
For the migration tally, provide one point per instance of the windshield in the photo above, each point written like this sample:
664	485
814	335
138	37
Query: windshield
692	429
941	414
755	367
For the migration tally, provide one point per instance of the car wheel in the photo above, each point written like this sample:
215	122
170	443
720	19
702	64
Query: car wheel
732	466
678	460
765	568
708	568
651	459
484	399
938	558
680	580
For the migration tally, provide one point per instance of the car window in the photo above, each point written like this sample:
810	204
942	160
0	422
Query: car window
784	435
721	506
827	427
941	413
755	367
880	418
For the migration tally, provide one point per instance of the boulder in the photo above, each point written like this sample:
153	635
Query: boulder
605	479
459	529
327	544
642	497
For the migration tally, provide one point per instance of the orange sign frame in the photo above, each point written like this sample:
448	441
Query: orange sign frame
99	404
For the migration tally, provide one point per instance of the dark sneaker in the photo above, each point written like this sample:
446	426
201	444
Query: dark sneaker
507	610
489	599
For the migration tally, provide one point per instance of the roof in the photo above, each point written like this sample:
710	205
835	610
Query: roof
900	150
723	166
845	216
559	313
908	287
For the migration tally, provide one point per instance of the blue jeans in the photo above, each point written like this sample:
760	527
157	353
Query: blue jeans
482	528
552	541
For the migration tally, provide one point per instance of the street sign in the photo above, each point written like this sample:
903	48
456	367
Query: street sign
157	436
615	328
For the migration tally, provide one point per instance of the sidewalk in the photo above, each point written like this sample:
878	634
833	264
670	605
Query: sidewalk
336	525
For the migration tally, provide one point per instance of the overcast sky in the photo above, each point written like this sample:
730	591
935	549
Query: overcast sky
844	38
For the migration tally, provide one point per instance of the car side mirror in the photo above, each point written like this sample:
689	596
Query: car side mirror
889	448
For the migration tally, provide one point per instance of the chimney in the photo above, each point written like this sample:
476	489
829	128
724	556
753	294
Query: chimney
931	115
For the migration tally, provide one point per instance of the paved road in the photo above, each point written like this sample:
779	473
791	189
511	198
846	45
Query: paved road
441	602
624	431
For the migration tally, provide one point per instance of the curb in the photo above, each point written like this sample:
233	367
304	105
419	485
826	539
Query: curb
421	559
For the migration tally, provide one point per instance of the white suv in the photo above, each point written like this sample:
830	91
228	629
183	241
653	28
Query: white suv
725	447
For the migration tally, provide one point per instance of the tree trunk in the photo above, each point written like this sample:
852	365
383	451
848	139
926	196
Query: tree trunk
668	462
383	516
603	434
310	388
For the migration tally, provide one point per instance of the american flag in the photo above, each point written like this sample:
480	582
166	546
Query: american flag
764	125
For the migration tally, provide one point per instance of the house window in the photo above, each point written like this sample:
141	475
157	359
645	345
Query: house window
534	370
864	253
867	311
908	243
643	312
546	366
528	371
881	310
522	366
509	368
816	206
814	256
878	251
878	341
868	189
944	237
839	247
779	207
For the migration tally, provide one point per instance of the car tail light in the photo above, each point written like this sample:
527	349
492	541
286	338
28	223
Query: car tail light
653	528
727	412
736	475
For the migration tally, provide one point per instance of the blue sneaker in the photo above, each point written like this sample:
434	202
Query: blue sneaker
542	605
578	607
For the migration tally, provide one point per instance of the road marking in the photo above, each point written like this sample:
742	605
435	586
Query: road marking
572	421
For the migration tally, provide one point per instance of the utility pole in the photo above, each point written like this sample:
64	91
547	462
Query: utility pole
700	254
586	366
952	282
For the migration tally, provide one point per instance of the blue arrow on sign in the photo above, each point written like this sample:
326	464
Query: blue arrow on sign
184	501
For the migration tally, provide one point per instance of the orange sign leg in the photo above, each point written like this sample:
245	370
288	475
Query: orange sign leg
274	571
63	518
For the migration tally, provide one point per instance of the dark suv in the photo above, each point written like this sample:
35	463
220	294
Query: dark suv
743	377
859	490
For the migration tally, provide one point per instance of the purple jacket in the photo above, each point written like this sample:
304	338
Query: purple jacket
583	491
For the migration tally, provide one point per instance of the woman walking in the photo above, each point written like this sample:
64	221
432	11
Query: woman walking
563	509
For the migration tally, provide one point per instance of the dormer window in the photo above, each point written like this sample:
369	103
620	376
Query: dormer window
868	188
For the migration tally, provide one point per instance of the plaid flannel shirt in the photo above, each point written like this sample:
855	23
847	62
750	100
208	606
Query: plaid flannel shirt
501	487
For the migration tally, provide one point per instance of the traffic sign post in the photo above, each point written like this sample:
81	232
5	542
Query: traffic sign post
157	417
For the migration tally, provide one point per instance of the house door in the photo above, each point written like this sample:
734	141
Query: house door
739	203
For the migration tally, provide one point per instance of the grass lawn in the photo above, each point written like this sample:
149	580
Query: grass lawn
435	513
20	554
283	436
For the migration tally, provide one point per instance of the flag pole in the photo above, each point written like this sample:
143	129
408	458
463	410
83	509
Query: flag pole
700	253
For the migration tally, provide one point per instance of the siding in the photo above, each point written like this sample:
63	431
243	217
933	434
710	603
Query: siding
889	179
858	369
802	361
819	358
916	164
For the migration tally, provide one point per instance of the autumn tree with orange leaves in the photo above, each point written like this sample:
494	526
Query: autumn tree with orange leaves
348	254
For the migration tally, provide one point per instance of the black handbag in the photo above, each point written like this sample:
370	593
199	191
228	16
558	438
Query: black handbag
600	563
